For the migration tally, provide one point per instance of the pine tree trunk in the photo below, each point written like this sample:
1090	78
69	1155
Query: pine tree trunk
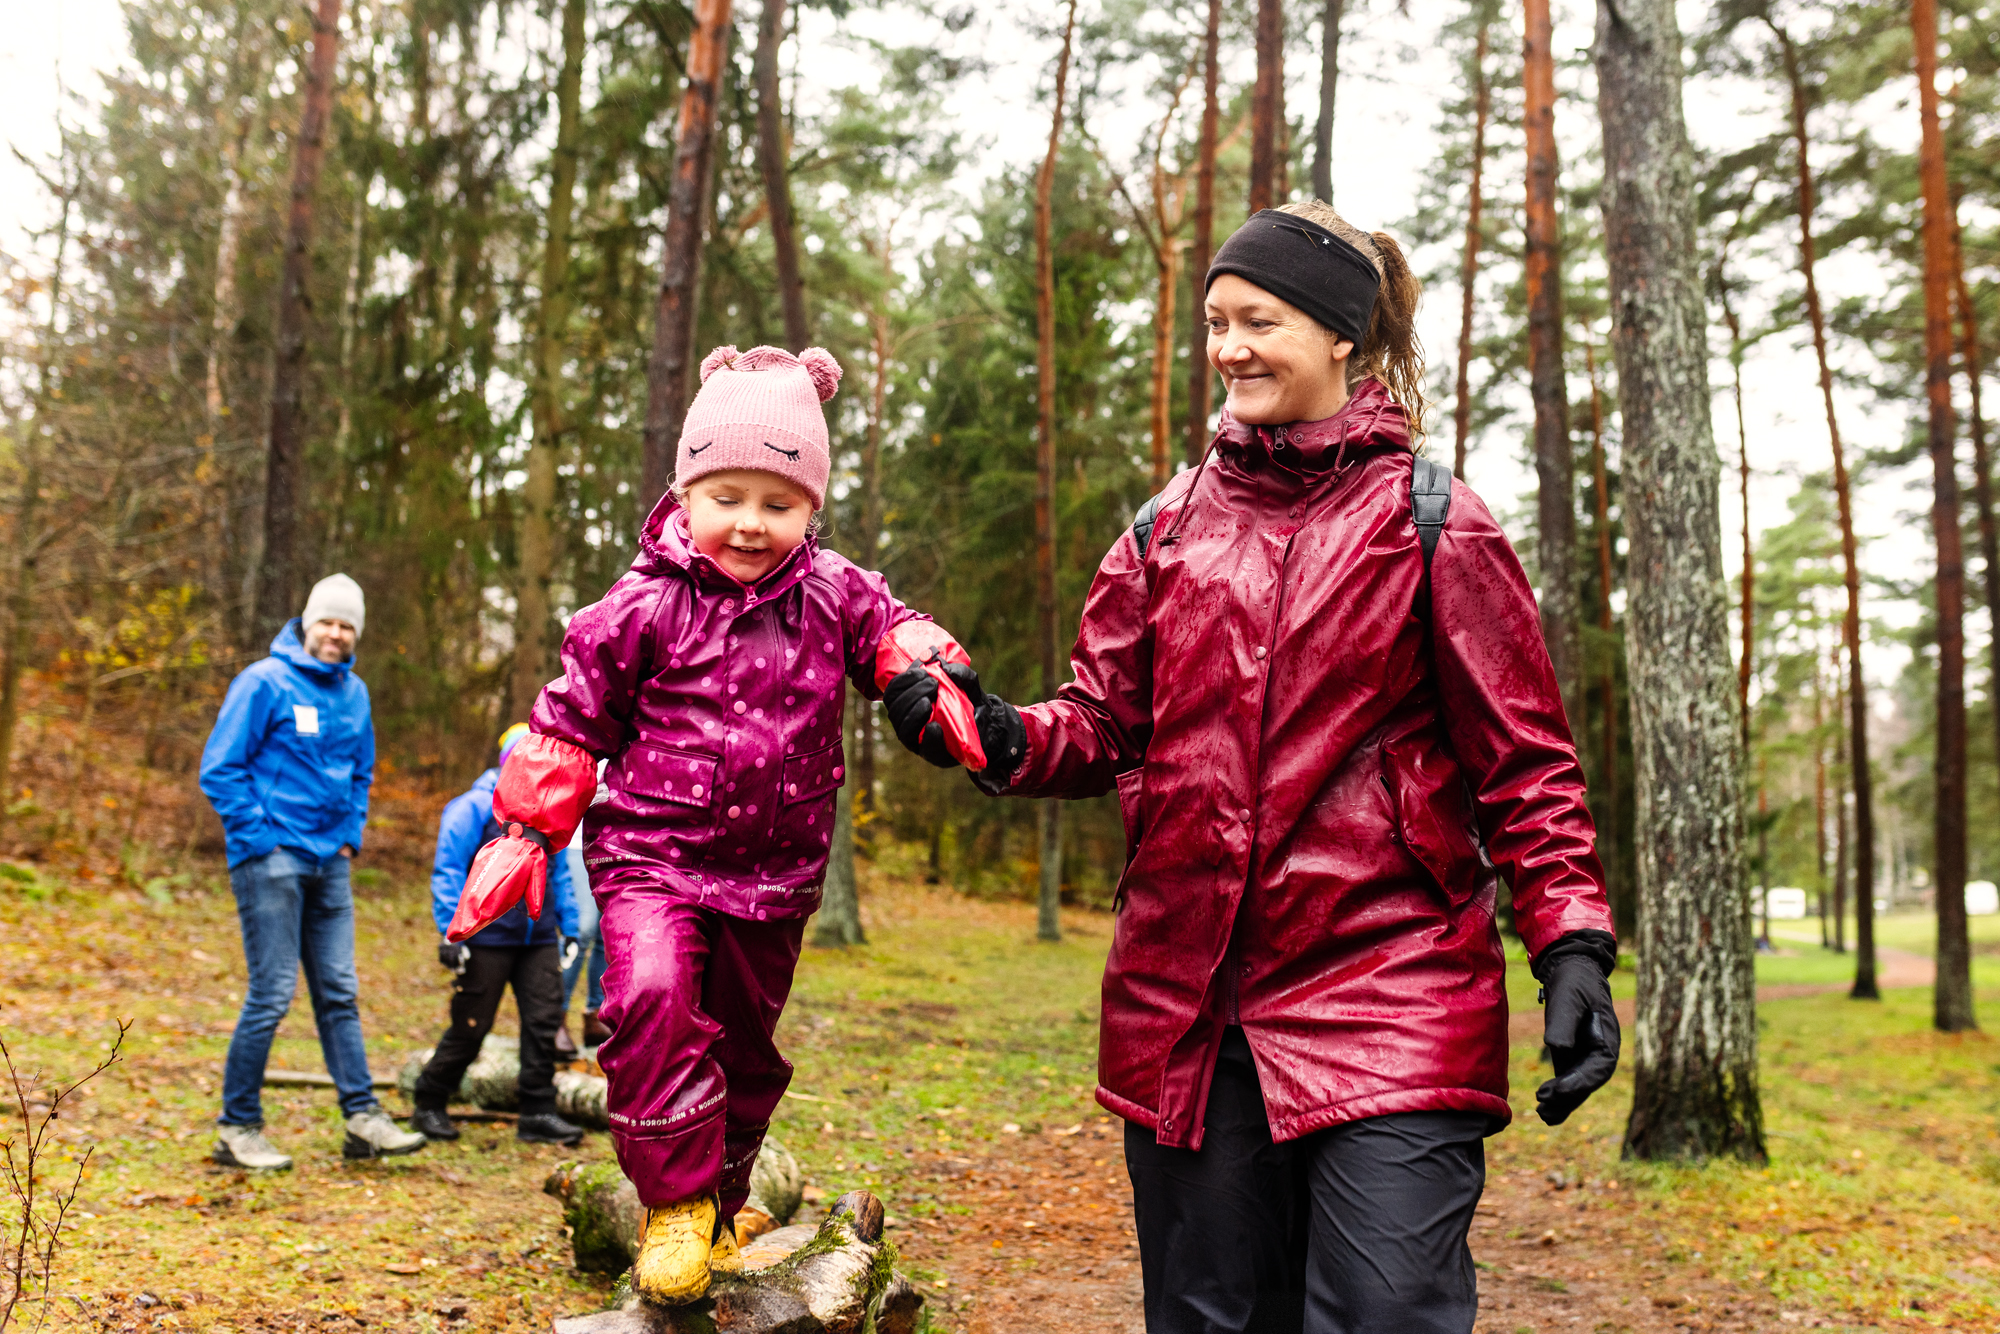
1267	101
670	369
1954	1011
1819	799
278	579
1865	987
1469	269
777	183
1839	813
1168	266
1694	1050
1607	806
1329	80
1982	463
1746	661
1201	376
1046	612
1555	465
538	497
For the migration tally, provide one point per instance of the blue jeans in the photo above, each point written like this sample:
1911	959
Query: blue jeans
295	909
590	951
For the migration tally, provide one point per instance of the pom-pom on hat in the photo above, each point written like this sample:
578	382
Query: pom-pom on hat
761	409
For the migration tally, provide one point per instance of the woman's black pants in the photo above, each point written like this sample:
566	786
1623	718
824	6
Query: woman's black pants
1358	1229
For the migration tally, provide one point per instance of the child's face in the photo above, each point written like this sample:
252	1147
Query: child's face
747	521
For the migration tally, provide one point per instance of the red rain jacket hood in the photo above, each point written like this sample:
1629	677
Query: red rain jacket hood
718	706
1318	784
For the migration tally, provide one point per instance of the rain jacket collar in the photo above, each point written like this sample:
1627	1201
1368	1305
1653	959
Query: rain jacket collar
666	543
290	647
1370	419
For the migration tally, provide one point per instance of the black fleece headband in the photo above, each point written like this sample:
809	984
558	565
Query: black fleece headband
1305	264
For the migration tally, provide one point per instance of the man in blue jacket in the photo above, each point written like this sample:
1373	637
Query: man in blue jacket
517	950
288	768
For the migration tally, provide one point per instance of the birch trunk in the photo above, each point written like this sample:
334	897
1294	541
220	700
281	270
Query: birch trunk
533	618
1201	377
777	184
1469	269
670	369
1953	1007
279	573
1555	461
1694	1048
1047	614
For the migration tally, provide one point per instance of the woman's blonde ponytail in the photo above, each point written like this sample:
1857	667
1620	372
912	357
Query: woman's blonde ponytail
1391	352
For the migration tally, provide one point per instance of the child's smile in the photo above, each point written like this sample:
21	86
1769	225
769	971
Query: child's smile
747	521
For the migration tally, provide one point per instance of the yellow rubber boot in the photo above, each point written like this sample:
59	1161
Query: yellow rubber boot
675	1252
724	1257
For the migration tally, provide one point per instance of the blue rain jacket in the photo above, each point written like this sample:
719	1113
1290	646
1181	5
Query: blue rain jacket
292	755
460	831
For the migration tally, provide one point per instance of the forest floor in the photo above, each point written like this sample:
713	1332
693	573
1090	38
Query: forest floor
948	1066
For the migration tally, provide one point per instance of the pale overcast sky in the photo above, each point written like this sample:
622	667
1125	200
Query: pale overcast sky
1387	142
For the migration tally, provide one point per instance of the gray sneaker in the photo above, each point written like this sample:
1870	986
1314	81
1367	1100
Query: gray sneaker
371	1134
246	1147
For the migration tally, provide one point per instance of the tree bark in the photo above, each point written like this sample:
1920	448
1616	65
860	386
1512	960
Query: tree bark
670	370
1695	1045
1167	263
1329	79
533	619
1819	799
1469	269
777	183
868	531
838	921
1046	612
1746	660
1607	818
1267	103
1953	1012
1982	463
1201	376
1555	460
1840	760
279	577
1865	987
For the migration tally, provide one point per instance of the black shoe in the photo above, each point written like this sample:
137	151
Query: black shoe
546	1128
432	1123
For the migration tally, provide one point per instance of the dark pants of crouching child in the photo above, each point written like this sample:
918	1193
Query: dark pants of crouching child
535	973
1357	1229
692	997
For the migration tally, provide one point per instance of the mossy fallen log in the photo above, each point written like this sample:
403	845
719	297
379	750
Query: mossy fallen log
839	1280
493	1083
604	1215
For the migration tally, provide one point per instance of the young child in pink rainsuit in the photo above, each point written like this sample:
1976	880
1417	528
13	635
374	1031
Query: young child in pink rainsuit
711	678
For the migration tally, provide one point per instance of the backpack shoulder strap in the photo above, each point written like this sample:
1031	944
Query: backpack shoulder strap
1430	504
1143	521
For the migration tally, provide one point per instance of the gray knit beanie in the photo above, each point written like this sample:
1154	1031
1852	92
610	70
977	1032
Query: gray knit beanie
335	598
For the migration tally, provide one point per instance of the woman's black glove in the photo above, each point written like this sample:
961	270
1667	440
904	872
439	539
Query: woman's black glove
454	957
907	699
1578	1023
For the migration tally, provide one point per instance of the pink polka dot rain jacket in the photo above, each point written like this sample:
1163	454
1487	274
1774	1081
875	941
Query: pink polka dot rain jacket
719	708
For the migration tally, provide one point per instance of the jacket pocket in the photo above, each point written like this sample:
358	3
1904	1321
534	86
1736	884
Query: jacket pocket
660	774
1433	815
812	775
1131	792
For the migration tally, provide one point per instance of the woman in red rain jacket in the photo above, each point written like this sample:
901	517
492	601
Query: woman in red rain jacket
1327	759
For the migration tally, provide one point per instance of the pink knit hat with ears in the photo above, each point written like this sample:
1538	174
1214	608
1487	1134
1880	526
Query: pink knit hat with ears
760	409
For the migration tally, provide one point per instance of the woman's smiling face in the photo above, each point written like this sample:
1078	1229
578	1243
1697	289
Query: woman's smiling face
1280	364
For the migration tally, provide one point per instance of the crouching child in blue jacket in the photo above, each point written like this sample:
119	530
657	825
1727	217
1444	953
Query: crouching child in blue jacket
517	950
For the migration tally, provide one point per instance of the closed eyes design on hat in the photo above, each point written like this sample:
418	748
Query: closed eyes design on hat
792	454
692	451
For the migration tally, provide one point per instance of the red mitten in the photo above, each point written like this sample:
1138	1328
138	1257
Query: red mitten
509	867
928	643
547	784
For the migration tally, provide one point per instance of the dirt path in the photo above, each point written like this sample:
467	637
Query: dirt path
1046	1245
